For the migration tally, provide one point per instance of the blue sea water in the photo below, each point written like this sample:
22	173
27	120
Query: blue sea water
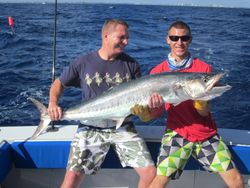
220	37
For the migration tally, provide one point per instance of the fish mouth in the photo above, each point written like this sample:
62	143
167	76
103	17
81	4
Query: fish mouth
213	80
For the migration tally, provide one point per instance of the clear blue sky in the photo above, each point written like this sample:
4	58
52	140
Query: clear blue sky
224	3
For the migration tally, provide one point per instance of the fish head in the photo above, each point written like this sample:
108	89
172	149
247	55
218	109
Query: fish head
200	84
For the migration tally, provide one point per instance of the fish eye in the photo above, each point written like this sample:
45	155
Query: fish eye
205	79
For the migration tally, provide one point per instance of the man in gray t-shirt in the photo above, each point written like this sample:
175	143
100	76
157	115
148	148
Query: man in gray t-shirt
95	73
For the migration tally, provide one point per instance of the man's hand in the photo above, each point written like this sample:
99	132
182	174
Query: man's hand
155	101
151	111
54	111
142	112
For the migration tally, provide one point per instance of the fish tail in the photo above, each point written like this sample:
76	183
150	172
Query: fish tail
44	118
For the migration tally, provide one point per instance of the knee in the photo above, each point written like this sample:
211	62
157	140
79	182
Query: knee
152	172
148	173
72	179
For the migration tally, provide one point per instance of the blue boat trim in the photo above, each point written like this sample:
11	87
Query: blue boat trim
5	160
42	154
54	154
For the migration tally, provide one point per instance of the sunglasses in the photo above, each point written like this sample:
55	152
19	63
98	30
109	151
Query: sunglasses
184	38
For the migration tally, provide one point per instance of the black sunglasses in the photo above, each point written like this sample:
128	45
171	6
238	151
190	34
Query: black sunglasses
184	38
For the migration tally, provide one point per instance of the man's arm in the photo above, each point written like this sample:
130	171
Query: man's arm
54	110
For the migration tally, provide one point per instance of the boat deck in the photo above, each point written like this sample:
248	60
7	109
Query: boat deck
41	163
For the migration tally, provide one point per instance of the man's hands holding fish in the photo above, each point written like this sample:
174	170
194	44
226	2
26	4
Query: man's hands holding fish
147	113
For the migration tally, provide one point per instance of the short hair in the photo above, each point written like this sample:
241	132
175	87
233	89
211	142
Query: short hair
111	24
180	25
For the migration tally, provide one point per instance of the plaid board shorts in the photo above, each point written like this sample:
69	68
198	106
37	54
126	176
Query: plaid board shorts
213	155
90	146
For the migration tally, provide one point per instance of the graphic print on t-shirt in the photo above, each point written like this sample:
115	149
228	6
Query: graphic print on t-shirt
98	79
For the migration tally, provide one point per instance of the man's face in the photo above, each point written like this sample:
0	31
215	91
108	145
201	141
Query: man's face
178	46
118	39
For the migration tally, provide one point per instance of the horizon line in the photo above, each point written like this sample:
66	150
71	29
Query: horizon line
122	3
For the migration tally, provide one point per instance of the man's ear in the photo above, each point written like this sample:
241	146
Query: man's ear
167	40
191	40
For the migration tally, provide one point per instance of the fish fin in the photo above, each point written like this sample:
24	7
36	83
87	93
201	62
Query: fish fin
44	118
176	104
112	83
42	127
119	122
42	109
110	88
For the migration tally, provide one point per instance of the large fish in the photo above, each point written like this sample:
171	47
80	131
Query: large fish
115	104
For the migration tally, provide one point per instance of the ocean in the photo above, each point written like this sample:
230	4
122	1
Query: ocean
220	37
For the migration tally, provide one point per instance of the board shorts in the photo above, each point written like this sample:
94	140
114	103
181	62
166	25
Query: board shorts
90	146
212	154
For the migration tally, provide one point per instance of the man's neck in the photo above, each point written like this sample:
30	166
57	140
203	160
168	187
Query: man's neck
179	58
105	55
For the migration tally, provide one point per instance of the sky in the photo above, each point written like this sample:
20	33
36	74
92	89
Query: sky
222	3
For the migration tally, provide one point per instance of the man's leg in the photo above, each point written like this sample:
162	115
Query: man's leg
72	179
232	178
215	156
159	182
86	156
133	151
146	175
174	154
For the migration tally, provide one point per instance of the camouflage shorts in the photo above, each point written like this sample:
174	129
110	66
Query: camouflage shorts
90	146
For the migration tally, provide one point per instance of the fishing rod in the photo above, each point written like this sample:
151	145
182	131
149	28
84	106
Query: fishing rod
53	128
54	43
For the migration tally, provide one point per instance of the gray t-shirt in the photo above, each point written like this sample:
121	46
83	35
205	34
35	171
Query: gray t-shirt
95	75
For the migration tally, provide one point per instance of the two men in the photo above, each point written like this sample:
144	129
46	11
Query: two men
190	127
